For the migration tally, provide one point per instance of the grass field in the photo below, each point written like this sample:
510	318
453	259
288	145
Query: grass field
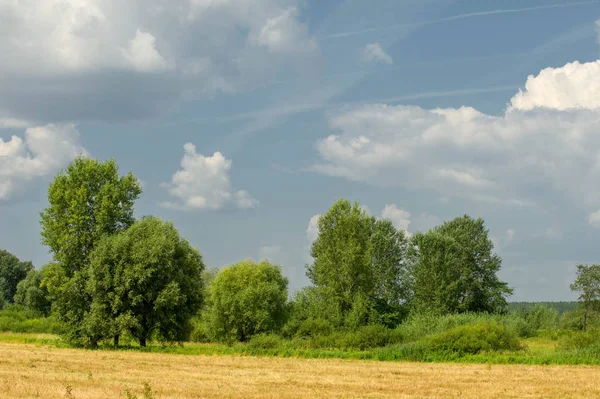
45	371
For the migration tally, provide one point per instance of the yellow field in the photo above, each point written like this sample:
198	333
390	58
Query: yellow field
29	371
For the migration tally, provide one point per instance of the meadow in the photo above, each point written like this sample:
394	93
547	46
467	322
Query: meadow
38	370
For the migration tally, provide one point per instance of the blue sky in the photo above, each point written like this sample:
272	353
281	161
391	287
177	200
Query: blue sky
244	119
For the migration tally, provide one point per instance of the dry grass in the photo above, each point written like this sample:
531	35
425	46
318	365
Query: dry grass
29	371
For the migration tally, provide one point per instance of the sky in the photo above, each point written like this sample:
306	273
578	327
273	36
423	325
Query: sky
246	119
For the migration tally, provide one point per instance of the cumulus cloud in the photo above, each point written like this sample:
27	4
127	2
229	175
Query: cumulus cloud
399	217
312	231
374	53
139	57
594	219
43	151
203	183
529	156
574	85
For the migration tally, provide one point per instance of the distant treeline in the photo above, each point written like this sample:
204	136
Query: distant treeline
561	307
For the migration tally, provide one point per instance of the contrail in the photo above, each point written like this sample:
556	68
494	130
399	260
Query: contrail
457	17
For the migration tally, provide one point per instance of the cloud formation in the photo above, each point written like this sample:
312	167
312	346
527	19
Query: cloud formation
374	53
203	183
399	217
109	59
545	147
42	152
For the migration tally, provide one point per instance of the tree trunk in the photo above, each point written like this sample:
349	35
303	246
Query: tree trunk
585	313
143	342
116	340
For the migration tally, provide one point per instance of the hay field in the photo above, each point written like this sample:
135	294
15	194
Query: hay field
30	371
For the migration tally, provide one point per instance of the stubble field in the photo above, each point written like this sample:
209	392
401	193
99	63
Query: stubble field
33	371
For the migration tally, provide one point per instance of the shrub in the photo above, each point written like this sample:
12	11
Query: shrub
371	336
579	339
475	338
265	341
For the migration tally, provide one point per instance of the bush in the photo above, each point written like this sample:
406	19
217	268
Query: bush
475	338
367	337
19	320
265	341
579	339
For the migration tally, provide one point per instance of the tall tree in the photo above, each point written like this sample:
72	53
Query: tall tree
12	271
87	201
147	281
342	266
587	283
457	269
359	264
247	298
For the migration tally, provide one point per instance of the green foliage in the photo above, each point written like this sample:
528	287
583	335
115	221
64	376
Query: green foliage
247	299
87	201
587	284
17	319
311	312
579	339
12	271
475	338
145	280
561	307
32	294
360	266
456	270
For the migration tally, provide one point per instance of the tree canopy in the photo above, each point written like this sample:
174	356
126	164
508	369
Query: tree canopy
247	298
147	281
87	201
456	270
587	283
12	270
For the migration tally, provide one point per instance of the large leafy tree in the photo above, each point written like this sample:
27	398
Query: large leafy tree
587	283
33	294
342	266
12	271
247	299
147	281
359	264
87	201
457	270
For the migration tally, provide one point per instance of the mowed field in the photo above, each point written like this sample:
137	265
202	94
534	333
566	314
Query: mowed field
31	371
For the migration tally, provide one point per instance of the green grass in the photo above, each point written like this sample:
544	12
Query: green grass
536	351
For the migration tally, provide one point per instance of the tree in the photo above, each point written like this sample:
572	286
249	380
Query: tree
587	283
146	280
342	266
12	271
359	263
456	270
391	271
32	294
247	299
87	201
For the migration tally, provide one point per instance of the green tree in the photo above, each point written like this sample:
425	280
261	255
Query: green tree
12	271
32	294
342	268
247	299
87	201
146	280
391	272
587	283
359	263
456	270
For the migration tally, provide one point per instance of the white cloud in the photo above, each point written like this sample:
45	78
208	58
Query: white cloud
522	158
142	55
594	219
203	183
504	241
137	57
399	217
43	151
574	85
312	231
550	233
374	53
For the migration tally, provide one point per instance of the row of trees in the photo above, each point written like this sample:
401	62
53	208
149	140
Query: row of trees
112	275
